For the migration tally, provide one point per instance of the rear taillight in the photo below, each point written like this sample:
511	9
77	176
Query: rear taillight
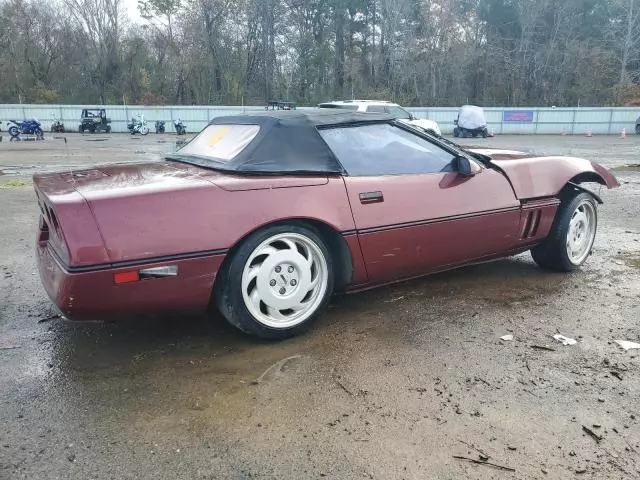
50	230
53	220
43	231
126	277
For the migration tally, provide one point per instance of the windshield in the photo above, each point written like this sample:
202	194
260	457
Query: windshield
220	142
484	159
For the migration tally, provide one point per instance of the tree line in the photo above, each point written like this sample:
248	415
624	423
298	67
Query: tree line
232	52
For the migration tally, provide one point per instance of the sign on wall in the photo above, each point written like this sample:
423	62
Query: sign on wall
518	116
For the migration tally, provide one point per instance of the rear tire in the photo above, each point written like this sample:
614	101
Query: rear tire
571	237
38	133
13	131
277	282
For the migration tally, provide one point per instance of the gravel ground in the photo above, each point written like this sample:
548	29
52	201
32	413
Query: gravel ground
390	384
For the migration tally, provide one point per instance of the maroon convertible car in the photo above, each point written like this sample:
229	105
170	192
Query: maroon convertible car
267	215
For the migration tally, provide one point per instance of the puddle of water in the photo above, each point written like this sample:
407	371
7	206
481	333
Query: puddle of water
632	167
630	259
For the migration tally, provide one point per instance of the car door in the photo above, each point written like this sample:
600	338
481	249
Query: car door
413	211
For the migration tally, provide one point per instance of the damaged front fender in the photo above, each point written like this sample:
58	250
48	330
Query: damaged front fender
538	177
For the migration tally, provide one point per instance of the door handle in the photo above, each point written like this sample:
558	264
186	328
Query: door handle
371	197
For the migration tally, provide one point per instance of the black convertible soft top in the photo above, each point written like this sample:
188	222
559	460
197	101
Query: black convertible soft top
287	142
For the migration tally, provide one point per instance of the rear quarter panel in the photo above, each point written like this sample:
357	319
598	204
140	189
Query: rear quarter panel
204	217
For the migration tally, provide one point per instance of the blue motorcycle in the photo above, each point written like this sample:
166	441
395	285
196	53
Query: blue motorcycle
26	127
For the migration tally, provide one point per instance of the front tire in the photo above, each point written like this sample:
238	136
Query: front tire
456	132
13	131
571	237
277	282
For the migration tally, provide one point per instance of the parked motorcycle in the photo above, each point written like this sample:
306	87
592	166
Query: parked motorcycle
57	126
26	127
159	126
181	128
138	125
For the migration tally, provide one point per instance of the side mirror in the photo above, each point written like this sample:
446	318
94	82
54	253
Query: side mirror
466	167
455	122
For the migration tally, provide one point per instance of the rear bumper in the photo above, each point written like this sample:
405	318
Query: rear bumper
93	295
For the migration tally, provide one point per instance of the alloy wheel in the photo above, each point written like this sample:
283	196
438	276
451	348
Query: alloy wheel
284	280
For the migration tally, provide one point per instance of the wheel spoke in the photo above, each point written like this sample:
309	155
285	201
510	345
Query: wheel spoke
255	298
314	282
252	273
267	250
290	244
275	313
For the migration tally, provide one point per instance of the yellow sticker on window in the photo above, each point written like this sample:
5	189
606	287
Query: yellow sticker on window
217	135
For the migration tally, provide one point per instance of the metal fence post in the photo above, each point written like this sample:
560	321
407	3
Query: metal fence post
610	121
573	122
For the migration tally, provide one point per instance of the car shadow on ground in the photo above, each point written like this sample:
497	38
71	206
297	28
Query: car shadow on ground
188	337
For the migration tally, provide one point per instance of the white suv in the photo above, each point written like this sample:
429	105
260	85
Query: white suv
378	106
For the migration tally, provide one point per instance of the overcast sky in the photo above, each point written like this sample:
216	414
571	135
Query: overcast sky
132	10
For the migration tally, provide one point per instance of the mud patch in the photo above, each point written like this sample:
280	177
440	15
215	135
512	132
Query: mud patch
632	167
15	184
629	259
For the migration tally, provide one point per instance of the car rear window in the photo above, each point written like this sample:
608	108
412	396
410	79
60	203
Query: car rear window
221	142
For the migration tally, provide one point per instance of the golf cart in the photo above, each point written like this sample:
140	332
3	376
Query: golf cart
94	120
471	122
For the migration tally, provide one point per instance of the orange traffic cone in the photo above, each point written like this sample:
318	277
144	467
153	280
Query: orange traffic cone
623	134
589	134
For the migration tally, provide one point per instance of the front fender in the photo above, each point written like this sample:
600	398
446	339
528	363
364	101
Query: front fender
546	176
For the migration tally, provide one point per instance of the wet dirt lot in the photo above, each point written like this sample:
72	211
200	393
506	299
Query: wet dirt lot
390	384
